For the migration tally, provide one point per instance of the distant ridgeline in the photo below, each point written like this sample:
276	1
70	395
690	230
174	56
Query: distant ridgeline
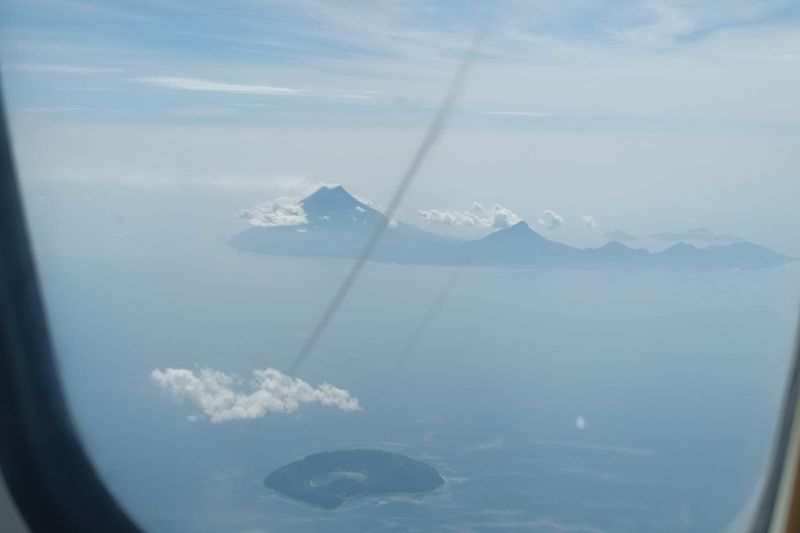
329	479
335	224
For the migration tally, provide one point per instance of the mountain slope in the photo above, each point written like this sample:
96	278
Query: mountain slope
338	225
335	208
517	246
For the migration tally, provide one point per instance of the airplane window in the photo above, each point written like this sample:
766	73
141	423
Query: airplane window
429	266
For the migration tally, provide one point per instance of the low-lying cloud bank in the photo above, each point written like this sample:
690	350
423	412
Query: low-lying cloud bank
478	216
284	211
216	394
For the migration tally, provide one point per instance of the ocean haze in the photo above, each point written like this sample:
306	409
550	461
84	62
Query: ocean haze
677	377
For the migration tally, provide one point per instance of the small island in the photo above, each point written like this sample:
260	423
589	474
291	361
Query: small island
329	479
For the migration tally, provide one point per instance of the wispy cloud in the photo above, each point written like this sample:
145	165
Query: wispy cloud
479	216
589	221
199	84
271	392
551	220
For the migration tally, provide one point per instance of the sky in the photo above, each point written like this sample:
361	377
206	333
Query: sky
647	116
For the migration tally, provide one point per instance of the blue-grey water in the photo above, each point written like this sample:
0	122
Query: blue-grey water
678	377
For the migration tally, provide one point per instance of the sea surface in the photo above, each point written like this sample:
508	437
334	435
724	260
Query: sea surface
550	400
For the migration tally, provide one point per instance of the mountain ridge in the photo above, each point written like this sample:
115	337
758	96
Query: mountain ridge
338	225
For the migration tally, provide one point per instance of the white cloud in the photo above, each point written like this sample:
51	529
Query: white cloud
589	221
197	84
580	422
284	211
272	392
552	220
448	217
479	216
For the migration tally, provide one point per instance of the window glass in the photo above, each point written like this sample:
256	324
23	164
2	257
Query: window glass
579	316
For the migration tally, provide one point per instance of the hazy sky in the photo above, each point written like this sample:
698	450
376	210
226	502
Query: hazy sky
647	116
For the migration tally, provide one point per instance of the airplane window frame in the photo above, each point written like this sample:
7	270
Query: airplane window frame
43	461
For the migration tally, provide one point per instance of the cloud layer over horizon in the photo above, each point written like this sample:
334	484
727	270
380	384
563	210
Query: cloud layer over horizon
283	211
216	394
478	216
